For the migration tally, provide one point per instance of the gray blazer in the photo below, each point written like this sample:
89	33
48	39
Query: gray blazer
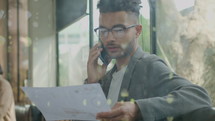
159	92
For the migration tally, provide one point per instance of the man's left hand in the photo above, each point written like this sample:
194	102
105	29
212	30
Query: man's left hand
122	111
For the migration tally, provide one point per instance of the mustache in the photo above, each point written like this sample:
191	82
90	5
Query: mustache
114	45
111	44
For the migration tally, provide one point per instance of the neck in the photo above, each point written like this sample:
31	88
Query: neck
123	61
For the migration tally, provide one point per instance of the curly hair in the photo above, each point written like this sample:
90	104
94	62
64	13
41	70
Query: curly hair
133	6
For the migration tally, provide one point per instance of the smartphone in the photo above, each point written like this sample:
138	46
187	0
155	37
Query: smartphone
104	56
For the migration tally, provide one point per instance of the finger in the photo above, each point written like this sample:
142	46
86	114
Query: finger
116	118
94	53
110	114
93	56
119	118
96	46
117	105
93	50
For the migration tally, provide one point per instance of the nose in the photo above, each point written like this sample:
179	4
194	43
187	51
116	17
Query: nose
110	36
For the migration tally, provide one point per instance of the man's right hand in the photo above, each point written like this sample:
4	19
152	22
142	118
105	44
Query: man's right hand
95	71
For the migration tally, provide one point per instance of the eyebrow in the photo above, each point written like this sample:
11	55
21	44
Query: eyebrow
102	27
117	25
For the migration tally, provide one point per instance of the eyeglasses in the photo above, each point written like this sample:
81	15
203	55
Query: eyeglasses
117	31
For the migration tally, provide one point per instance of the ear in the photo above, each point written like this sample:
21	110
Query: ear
138	30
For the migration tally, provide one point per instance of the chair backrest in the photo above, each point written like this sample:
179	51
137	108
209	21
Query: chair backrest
28	113
23	113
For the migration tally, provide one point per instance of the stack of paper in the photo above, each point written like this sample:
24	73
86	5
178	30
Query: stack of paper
69	103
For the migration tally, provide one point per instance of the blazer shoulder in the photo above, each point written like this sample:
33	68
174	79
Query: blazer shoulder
149	58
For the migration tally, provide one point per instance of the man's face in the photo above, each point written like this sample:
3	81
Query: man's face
119	43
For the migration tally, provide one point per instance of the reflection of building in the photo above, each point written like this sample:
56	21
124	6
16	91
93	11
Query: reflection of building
14	30
187	11
73	53
188	44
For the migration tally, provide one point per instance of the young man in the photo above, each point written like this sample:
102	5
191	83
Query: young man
7	107
140	86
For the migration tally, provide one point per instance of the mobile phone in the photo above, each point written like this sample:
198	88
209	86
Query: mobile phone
104	56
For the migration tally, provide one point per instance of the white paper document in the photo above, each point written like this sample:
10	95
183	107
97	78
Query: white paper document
69	103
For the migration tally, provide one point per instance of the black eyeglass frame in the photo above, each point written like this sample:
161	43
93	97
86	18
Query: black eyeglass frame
110	30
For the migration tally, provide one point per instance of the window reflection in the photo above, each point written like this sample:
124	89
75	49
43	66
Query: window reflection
73	53
184	4
144	39
2	14
185	37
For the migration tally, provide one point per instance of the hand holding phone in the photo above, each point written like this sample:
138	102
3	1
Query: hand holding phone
95	71
104	56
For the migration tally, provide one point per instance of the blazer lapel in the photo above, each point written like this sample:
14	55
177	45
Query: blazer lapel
107	82
123	94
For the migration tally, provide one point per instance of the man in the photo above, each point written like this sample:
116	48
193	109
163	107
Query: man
7	107
140	86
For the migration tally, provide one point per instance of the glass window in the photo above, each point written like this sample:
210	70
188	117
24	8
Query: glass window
144	40
185	37
73	53
184	4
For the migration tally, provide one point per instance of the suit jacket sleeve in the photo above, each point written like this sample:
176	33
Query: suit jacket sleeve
169	95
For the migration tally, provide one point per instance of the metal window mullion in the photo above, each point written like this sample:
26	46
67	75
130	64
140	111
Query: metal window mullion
153	38
91	23
18	53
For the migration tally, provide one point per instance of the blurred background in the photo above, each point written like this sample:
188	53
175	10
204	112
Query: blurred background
45	43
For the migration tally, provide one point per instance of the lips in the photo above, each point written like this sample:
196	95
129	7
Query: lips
113	48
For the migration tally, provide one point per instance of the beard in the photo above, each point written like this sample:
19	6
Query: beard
124	50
